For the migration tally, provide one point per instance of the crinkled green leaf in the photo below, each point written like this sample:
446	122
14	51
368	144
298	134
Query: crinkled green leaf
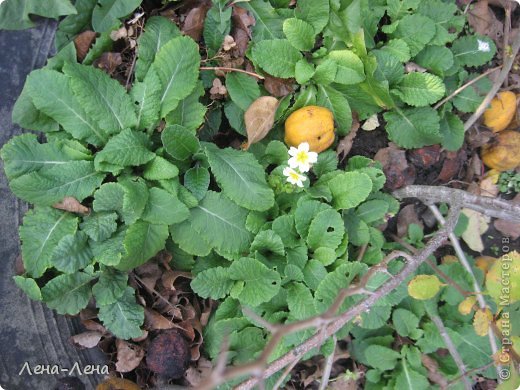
300	301
413	127
399	8
157	31
243	89
372	210
409	379
26	115
438	59
179	142
103	43
197	180
28	286
277	57
268	24
77	179
109	197
190	112
134	200
284	227
325	72
326	230
110	286
404	321
260	284
160	169
305	213
473	50
142	241
128	148
72	253
146	95
124	317
214	283
452	132
303	71
350	67
416	30
241	177
76	23
68	293
315	13
349	189
110	251
217	25
299	33
420	89
102	97
398	48
335	101
107	12
313	273
268	240
164	208
184	235
14	15
382	358
99	226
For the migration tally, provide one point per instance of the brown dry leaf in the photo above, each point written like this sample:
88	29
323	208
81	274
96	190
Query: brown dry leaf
345	144
425	157
72	205
405	218
86	339
488	185
168	354
413	67
194	22
229	43
129	356
108	62
242	18
509	228
452	165
395	166
481	321
169	278
433	371
83	42
278	87
149	273
195	375
218	90
259	118
120	33
155	321
343	383
115	383
484	21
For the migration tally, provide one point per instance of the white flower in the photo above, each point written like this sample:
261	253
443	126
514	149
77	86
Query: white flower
294	177
302	158
483	46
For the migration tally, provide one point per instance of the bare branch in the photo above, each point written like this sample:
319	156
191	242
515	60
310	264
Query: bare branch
491	207
328	367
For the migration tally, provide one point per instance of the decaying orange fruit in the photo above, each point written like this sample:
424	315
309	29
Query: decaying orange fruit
504	153
311	124
501	113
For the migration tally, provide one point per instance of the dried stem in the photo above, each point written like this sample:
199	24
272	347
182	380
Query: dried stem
328	367
509	58
452	349
226	69
491	207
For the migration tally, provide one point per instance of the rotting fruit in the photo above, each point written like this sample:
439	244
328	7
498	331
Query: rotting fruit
501	112
504	153
311	124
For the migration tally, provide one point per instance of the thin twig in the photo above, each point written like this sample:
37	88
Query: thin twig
491	207
452	349
507	33
286	372
509	58
328	367
463	87
478	369
226	69
465	263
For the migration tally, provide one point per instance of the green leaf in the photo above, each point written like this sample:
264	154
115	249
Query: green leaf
177	65
179	142
14	15
372	210
158	30
315	13
447	25
452	132
164	208
409	379
382	358
284	227
221	223
214	283
260	284
300	301
350	67
438	59
29	287
413	127
110	286
325	72
134	198
147	96
160	169
197	180
123	317
268	240
72	253
299	33
185	236
52	94
398	48
314	272
424	287
46	187
303	71
110	251
217	25
68	293
473	50
416	30
80	21
404	321
235	116
277	57
26	115
142	241
109	197
243	89
103	98
305	213
349	189
268	24
399	8
107	12
128	148
420	89
336	102
326	230
99	226
241	177
190	113
102	44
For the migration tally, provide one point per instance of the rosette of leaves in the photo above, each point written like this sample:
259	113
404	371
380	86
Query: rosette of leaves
333	56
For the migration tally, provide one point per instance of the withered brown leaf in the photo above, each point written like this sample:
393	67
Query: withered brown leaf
72	205
259	118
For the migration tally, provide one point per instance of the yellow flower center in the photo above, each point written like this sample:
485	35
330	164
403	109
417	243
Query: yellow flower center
295	176
302	157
